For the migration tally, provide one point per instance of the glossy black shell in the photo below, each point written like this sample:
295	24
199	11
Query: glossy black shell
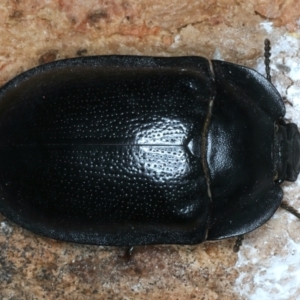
122	150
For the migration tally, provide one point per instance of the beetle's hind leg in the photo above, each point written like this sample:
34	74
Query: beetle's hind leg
238	243
267	55
290	209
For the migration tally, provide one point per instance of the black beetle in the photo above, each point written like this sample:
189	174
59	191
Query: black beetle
126	150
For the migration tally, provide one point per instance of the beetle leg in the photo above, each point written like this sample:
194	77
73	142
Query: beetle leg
128	253
267	55
290	209
286	101
238	243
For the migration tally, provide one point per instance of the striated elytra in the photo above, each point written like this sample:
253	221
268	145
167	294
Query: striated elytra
125	150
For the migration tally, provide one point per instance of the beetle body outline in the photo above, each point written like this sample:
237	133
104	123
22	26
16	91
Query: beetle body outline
125	150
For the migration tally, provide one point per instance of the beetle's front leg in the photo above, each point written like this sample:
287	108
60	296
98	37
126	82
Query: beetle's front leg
290	209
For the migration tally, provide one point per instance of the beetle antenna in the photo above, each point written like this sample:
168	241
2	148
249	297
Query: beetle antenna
267	55
290	209
238	243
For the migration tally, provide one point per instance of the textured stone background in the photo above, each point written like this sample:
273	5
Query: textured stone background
38	31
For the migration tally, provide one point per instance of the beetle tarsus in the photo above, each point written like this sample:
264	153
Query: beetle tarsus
290	209
238	243
267	55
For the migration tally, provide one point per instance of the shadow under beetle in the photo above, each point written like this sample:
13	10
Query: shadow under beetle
127	150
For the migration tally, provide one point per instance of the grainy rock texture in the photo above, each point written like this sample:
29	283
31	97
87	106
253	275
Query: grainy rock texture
33	32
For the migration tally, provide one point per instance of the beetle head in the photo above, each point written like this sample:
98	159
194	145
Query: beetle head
287	139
